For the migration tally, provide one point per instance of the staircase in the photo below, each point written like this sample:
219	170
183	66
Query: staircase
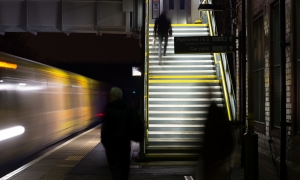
178	98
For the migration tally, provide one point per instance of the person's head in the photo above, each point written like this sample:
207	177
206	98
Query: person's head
163	14
115	94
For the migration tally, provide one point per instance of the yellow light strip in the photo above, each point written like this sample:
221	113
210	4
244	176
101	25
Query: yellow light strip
184	81
147	80
225	93
180	77
8	65
178	25
221	69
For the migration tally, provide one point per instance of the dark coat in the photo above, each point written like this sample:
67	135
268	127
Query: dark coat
218	138
117	123
163	25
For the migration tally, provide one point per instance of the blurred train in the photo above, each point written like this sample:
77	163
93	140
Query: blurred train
40	105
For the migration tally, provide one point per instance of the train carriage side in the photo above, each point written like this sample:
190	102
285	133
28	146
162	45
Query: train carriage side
48	103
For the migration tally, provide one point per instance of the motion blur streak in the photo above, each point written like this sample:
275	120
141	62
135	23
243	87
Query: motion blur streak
11	132
50	103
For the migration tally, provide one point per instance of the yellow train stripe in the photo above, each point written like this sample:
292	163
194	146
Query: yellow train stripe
180	77
184	81
191	25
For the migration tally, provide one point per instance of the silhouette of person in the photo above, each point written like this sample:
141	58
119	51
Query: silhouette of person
163	29
218	144
115	134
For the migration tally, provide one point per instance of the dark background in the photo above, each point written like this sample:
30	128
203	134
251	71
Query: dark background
108	58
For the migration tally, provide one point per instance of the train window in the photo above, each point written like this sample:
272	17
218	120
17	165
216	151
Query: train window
171	4
181	4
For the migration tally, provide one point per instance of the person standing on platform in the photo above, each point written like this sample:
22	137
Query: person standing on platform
120	125
218	144
163	29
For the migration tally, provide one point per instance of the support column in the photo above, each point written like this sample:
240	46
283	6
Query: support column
243	79
127	28
142	112
250	138
283	92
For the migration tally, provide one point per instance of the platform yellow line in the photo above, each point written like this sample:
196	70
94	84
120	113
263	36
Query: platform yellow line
180	77
184	81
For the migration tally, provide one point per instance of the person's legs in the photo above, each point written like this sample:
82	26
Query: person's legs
119	161
112	160
160	38
125	160
166	43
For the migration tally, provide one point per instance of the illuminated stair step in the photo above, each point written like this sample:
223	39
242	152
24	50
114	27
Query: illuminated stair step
174	34
204	76
185	66
184	87
184	29
169	51
184	81
193	150
152	48
170	40
176	125
184	93
176	122
187	56
172	155
183	61
175	139
176	118
181	105
178	112
170	47
174	147
171	136
185	99
175	132
183	71
185	25
167	67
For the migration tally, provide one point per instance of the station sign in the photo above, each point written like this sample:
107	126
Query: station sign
204	44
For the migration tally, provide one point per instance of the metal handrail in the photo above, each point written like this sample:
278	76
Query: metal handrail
225	75
146	80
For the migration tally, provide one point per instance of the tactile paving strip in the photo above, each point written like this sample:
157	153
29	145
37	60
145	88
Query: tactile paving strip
70	162
15	173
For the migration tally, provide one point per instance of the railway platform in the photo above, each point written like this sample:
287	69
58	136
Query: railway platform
83	158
